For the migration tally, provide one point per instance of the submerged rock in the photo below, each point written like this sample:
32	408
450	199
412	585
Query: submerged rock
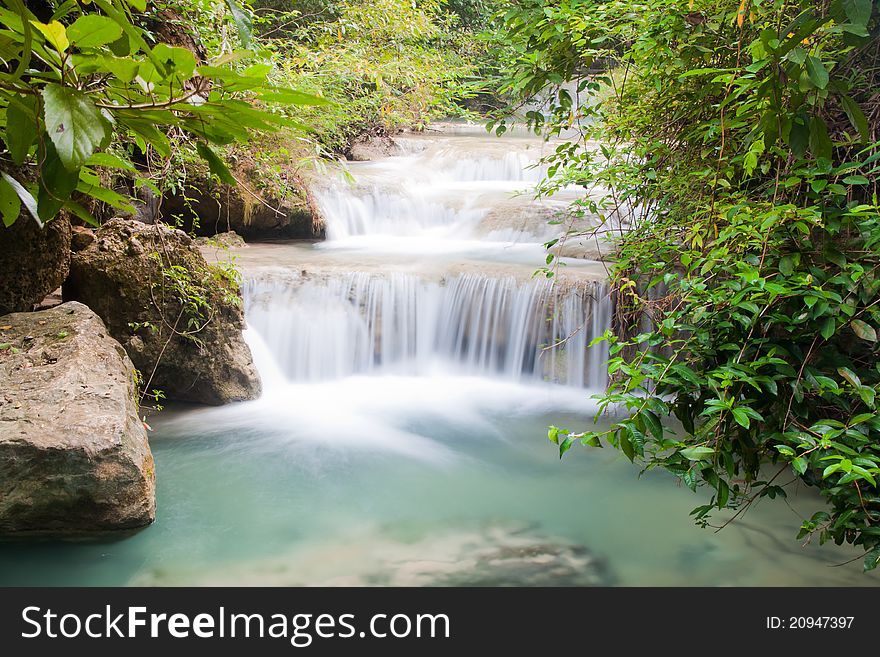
74	456
33	261
489	556
179	319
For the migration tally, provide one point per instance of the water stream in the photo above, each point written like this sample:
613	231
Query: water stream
411	365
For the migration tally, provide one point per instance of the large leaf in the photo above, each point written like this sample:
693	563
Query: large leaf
92	31
856	117
820	142
215	164
242	22
799	137
21	127
817	72
10	204
858	11
124	68
27	199
179	62
76	127
697	453
293	97
54	33
56	184
863	330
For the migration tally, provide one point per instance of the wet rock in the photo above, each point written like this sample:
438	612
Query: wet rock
74	456
179	319
33	261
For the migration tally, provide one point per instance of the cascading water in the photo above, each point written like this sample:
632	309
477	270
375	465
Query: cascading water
488	323
372	323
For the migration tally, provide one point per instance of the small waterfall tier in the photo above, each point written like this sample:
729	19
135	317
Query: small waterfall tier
373	323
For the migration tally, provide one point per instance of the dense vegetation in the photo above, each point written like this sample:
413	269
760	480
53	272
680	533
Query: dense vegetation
93	87
740	147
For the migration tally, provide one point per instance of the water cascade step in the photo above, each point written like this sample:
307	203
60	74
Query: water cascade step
362	323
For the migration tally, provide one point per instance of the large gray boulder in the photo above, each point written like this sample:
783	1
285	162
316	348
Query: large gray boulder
74	456
179	319
33	261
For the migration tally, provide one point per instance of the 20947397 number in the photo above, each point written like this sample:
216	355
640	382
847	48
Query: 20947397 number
810	622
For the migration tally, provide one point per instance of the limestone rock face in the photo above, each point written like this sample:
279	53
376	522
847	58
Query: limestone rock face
209	208
179	320
74	456
33	261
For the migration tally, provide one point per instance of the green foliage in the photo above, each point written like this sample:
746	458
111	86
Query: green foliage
386	64
739	150
95	77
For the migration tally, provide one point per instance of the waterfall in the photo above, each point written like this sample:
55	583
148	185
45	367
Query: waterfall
367	323
380	212
441	192
382	300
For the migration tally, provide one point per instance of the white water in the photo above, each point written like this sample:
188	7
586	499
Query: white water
363	323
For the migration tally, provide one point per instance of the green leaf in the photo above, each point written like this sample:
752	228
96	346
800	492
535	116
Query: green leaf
697	453
10	204
56	184
850	376
856	117
79	211
856	180
146	134
122	67
863	330
76	127
799	464
292	97
215	164
817	72
828	328
176	61
858	11
54	33
820	142
93	30
786	265
242	22
626	446
872	559
21	127
110	161
565	445
799	137
740	417
27	199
